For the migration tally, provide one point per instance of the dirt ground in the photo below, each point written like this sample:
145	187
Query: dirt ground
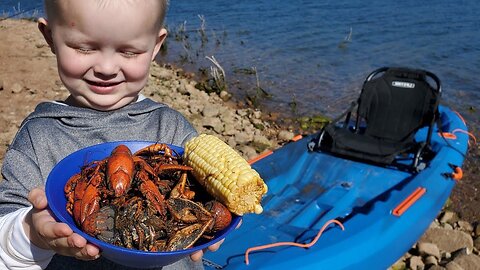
28	75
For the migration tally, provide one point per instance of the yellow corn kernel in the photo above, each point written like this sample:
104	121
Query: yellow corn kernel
225	174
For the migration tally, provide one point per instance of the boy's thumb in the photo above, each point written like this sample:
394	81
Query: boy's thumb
37	198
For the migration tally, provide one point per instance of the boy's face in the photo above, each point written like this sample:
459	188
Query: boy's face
104	52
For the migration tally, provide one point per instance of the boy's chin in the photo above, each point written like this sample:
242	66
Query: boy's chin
106	104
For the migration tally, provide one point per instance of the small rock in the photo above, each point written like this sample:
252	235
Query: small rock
195	107
427	249
242	138
232	142
476	243
210	111
229	129
16	88
248	152
468	262
446	217
285	135
447	255
242	112
415	262
246	124
448	226
448	240
431	260
1	85
261	139
257	122
465	226
228	116
190	88
477	230
214	123
435	224
225	96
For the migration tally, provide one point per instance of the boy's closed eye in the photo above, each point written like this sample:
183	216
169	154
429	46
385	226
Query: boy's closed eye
130	54
83	50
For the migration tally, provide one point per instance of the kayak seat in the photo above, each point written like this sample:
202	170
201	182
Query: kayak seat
394	104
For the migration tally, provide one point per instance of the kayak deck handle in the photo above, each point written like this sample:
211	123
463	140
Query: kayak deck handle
409	201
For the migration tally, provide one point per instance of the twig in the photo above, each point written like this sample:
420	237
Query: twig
202	32
218	77
256	76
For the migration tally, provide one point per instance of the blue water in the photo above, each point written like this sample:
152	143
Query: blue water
312	56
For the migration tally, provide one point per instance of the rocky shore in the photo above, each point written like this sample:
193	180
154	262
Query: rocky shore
28	75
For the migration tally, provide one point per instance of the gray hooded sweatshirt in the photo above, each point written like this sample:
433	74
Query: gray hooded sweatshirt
54	130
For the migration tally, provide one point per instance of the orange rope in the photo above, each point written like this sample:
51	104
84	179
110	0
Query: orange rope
294	243
466	132
461	117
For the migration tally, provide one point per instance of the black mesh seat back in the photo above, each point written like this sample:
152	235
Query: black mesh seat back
396	104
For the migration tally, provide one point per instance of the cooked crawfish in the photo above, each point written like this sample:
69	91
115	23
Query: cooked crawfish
143	200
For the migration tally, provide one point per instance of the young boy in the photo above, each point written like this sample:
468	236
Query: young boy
103	50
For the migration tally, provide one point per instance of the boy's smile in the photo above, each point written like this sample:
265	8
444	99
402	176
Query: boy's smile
101	87
104	51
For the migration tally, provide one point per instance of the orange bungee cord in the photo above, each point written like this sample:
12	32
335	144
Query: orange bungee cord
294	243
468	133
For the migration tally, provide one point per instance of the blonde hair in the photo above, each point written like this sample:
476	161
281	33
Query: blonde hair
52	7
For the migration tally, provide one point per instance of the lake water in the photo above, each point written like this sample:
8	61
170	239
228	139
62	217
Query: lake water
312	56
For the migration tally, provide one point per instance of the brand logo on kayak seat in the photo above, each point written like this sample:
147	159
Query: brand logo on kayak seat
403	84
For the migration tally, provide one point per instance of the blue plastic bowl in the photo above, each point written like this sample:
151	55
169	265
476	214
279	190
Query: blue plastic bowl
71	165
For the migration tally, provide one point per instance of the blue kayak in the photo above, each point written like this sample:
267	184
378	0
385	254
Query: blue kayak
384	211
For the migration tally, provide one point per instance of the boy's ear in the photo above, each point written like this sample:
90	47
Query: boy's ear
162	34
46	32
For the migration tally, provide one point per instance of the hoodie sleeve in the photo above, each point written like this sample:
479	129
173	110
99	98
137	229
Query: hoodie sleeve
16	250
20	175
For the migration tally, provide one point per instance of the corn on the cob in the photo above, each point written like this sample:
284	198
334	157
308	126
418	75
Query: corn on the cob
225	174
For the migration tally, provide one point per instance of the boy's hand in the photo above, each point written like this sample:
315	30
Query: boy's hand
197	256
46	233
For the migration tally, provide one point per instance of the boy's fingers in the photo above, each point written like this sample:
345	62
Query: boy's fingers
216	246
92	251
48	228
76	240
87	253
196	256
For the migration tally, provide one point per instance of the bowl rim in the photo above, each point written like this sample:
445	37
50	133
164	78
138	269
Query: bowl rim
56	213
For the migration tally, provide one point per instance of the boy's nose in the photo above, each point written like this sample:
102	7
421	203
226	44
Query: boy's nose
106	66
